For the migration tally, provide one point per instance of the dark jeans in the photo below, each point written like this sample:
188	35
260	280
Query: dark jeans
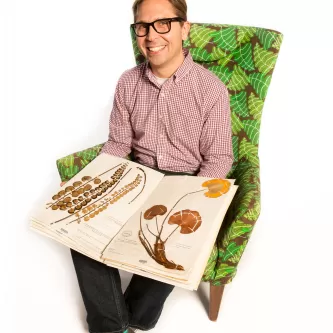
108	310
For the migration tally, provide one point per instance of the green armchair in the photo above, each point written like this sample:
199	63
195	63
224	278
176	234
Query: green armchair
244	59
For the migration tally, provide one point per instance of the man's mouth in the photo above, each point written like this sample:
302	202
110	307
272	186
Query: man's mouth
156	49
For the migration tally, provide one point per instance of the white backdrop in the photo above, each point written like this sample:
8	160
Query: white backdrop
60	64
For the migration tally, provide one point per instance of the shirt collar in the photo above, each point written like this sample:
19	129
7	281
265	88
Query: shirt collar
182	70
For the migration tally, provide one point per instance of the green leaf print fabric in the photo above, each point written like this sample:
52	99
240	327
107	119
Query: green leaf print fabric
243	58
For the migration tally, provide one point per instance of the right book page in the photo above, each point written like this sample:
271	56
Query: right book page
170	234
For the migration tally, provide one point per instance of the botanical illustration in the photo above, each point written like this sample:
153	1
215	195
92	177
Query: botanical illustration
87	198
186	221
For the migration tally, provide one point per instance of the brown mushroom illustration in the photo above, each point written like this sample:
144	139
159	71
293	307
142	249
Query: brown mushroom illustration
154	211
188	220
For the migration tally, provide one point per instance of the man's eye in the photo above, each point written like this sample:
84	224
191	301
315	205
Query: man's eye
163	22
140	26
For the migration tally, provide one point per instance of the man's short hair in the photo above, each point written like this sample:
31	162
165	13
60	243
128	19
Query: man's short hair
180	7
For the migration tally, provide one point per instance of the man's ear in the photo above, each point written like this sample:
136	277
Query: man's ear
185	30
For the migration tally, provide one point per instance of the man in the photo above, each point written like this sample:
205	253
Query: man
172	115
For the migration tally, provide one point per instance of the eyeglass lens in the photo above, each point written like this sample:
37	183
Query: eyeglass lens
161	26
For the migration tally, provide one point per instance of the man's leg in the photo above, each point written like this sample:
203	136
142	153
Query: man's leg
100	287
145	298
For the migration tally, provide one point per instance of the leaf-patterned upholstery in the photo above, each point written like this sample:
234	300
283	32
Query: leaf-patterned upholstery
244	59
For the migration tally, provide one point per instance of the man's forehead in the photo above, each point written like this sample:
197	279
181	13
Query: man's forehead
150	11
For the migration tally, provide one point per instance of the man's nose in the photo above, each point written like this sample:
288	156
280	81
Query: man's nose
152	34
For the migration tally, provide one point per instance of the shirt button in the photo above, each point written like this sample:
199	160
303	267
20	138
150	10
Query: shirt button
160	157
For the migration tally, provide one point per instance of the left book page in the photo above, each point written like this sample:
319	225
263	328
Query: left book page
91	208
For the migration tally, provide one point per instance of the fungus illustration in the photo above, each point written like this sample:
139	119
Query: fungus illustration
186	221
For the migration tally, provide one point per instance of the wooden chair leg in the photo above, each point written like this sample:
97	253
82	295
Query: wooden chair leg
216	293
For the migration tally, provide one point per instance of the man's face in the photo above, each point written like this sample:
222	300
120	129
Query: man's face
161	49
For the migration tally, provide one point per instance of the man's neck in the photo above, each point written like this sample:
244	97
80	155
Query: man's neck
168	70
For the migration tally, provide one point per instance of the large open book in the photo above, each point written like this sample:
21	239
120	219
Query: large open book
137	219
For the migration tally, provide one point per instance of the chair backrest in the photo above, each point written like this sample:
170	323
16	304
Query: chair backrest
244	59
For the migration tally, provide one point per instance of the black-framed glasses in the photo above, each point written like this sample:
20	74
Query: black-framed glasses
161	26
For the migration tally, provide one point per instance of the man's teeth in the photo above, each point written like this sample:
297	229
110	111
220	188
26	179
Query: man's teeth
155	49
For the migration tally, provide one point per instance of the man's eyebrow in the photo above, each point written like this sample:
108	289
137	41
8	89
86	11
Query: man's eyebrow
161	18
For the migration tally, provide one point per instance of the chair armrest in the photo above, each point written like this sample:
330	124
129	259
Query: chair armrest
239	222
70	165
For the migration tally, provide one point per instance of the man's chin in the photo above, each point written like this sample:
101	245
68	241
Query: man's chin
156	61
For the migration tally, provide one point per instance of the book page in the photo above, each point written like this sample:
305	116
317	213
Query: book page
168	233
95	204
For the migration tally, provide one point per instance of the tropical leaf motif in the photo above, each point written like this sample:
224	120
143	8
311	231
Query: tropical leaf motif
218	53
278	42
209	272
236	124
251	128
225	60
224	270
247	187
238	104
239	80
231	249
243	166
249	151
187	43
223	73
235	142
256	175
244	176
70	171
260	83
255	106
247	195
266	37
200	55
213	254
61	170
221	56
243	56
84	162
88	154
235	258
68	160
244	34
253	214
264	60
200	35
225	38
237	229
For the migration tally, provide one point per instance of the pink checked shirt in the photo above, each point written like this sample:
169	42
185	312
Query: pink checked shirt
182	126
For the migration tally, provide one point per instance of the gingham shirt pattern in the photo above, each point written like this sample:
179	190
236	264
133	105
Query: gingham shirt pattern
183	125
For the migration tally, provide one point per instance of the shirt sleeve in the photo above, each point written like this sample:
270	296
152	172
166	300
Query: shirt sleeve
120	129
216	140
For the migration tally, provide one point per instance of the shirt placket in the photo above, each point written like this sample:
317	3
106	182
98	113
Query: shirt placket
161	136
